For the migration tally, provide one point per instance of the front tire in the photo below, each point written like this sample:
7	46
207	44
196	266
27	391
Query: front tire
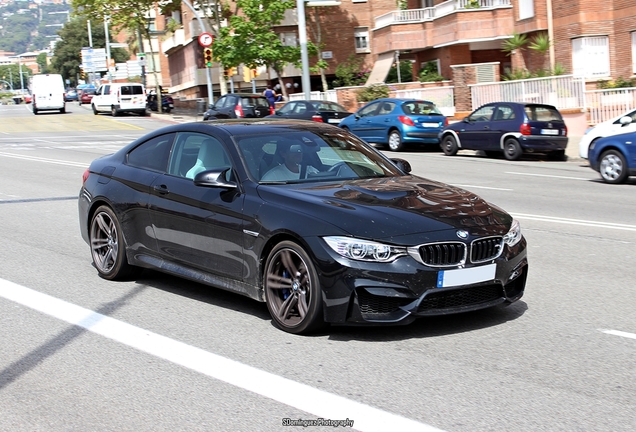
449	145
113	111
94	109
292	290
512	149
395	141
107	246
613	167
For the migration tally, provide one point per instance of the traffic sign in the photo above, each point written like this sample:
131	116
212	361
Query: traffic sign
205	39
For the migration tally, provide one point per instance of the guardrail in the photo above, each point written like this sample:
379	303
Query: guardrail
606	104
442	97
329	95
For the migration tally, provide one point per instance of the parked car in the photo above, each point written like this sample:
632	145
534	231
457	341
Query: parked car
509	128
349	237
167	103
614	157
397	122
238	105
86	96
315	110
70	95
618	125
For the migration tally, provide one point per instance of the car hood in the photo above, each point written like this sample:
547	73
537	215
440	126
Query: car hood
392	207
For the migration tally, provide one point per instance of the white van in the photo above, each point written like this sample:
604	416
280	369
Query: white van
117	98
48	93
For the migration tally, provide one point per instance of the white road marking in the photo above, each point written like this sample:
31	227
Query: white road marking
297	395
546	175
619	333
45	160
580	222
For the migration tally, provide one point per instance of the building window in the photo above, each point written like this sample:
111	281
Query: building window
289	39
590	57
526	9
362	39
359	1
634	53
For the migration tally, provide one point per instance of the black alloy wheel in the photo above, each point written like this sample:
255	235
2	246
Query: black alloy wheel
292	290
449	145
107	246
512	149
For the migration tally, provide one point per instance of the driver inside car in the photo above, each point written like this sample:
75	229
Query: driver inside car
292	167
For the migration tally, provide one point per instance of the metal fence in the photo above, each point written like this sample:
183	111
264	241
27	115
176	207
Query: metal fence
443	97
329	95
564	91
604	105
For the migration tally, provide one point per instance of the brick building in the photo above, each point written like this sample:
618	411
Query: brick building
590	38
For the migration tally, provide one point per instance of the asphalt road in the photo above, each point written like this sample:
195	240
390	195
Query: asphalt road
79	353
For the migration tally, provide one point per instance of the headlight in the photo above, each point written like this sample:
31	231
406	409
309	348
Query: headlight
513	236
364	250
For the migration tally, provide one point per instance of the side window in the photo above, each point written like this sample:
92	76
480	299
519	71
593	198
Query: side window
106	89
369	110
195	152
153	154
504	112
386	108
482	114
288	108
221	102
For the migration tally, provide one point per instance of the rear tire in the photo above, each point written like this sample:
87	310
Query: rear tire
449	145
512	149
613	167
395	141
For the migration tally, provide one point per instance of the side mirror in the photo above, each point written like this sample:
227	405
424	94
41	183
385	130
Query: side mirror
357	116
466	119
402	164
214	178
624	121
211	106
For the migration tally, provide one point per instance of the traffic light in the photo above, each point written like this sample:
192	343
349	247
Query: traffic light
207	57
231	71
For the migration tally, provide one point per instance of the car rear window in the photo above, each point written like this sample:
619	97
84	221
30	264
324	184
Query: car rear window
420	108
542	113
132	90
254	101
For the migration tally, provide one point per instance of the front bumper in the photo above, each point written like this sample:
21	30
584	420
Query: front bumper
403	290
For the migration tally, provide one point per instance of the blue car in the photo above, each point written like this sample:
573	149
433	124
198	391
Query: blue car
397	122
614	157
509	128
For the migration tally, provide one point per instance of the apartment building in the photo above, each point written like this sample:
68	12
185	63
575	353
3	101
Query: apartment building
593	39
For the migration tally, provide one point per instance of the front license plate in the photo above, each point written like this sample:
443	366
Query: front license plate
333	120
549	131
451	278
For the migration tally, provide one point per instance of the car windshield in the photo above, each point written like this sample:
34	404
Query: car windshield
303	156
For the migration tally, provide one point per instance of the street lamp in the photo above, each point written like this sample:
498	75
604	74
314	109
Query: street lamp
302	38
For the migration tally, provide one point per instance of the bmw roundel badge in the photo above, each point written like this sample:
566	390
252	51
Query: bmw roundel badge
462	234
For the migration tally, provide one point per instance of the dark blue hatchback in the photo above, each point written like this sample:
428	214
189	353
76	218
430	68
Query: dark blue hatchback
510	128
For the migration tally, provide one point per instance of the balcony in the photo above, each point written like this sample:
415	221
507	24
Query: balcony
449	23
442	9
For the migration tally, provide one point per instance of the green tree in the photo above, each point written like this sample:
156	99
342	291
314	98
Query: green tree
67	56
249	39
11	74
42	64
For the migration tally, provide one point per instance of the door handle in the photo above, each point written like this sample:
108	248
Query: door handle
161	189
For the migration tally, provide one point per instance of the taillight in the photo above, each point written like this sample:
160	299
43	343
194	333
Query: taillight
272	111
85	175
446	121
565	130
406	120
238	110
317	118
525	129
